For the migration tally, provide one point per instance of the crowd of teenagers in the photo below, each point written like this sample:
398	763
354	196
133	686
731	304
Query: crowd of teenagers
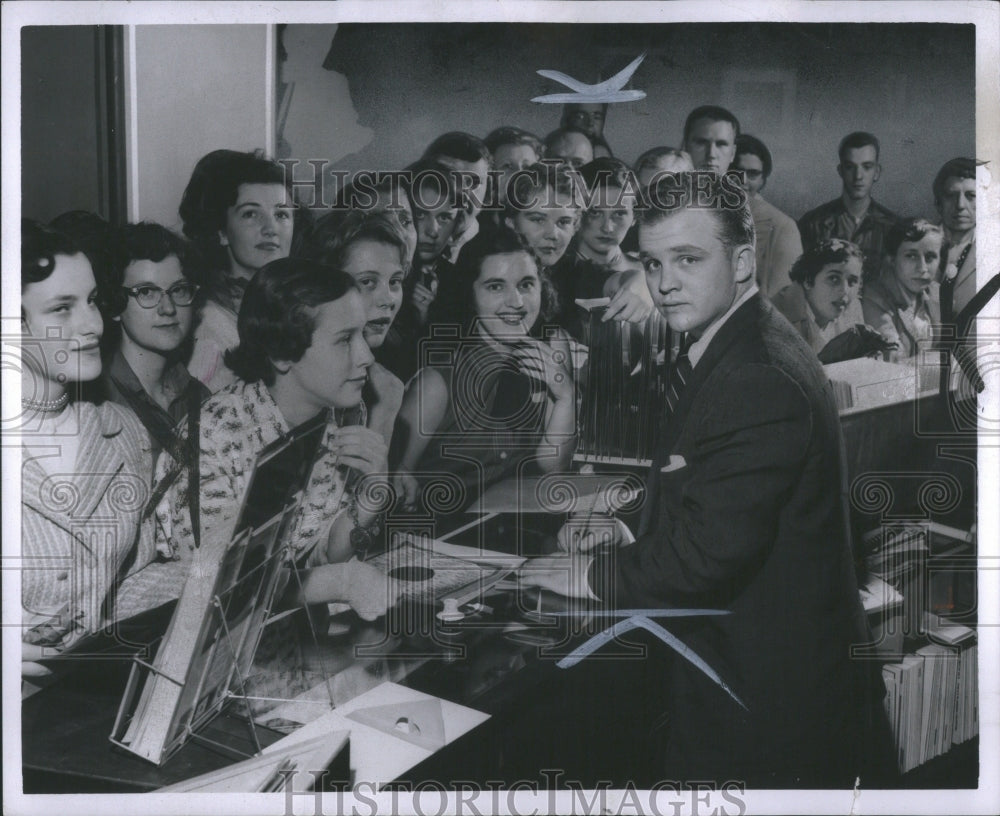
435	304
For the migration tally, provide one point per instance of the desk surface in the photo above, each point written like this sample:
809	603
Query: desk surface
536	707
65	743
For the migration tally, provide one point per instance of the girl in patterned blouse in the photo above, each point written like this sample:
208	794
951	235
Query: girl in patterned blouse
302	352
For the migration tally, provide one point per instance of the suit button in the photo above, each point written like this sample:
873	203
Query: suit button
62	576
503	454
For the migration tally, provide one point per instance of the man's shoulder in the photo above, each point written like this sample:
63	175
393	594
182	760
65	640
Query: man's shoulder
766	210
882	214
765	340
827	210
786	361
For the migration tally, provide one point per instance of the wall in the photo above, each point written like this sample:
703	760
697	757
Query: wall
799	87
195	89
60	164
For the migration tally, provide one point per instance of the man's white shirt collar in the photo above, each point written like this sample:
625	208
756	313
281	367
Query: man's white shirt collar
698	347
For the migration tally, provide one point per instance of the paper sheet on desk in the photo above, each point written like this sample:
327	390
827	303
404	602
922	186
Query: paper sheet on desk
378	757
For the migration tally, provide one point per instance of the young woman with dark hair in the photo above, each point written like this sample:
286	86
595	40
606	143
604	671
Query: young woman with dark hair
508	396
238	211
151	297
86	468
823	304
302	352
902	303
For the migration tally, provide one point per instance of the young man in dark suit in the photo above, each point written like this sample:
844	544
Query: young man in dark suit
745	513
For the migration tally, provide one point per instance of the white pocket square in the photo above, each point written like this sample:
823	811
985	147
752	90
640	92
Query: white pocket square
676	463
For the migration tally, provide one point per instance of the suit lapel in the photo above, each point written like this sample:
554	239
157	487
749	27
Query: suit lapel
98	460
735	327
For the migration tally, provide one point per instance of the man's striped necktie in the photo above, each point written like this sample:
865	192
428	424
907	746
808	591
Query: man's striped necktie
679	376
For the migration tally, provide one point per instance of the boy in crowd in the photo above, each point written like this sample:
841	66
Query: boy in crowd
588	118
710	138
572	146
599	268
512	149
439	220
855	216
466	154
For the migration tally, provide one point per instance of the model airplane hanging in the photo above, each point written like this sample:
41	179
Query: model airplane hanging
608	91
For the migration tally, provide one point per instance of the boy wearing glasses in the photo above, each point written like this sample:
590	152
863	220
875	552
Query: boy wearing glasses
151	304
778	240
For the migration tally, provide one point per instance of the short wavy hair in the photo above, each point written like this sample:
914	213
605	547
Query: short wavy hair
508	135
333	235
811	262
911	229
148	241
652	157
457	144
213	188
563	179
674	193
713	113
277	317
747	144
606	171
857	140
499	241
953	168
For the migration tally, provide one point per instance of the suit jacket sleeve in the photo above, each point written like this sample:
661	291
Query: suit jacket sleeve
717	518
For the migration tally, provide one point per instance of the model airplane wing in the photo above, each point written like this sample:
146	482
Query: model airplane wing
608	91
617	82
566	79
584	98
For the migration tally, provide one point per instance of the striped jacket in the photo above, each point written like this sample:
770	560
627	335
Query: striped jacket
81	530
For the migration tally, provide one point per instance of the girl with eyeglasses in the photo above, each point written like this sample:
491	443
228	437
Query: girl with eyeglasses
151	301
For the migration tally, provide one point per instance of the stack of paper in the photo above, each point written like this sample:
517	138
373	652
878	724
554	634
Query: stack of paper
932	700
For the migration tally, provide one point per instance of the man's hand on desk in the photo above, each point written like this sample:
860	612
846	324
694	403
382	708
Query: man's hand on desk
597	531
563	574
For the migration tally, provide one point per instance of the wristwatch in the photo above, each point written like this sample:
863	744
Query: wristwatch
363	537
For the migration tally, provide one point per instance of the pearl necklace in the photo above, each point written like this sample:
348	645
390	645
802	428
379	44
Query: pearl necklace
45	406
